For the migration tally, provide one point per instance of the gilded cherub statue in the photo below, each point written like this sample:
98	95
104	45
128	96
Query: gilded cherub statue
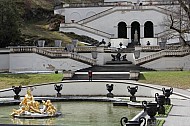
29	106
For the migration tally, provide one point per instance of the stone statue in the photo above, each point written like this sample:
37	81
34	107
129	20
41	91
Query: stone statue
118	56
109	44
124	57
136	36
114	57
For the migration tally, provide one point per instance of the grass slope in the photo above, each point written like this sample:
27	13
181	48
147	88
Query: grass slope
39	30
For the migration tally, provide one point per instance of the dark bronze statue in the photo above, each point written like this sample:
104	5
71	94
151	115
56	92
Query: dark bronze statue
114	57
118	56
124	57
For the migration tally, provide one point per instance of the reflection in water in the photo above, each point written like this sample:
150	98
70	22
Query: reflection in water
77	114
50	121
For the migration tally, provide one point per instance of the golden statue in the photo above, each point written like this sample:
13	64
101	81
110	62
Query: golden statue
29	106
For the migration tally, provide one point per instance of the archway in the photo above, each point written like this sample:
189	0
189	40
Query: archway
148	30
135	32
122	30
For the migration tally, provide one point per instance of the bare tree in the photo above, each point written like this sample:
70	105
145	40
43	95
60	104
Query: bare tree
179	19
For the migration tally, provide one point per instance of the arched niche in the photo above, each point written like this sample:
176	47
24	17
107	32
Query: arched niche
122	30
148	30
135	27
75	17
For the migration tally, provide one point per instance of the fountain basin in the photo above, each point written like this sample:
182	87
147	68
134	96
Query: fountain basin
74	113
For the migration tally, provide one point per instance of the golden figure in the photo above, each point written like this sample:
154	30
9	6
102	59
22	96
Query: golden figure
19	111
28	98
29	105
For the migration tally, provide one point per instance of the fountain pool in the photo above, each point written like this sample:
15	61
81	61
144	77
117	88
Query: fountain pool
77	113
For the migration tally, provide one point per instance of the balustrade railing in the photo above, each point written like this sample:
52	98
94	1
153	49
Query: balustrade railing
157	48
99	4
22	49
160	54
85	49
86	28
53	53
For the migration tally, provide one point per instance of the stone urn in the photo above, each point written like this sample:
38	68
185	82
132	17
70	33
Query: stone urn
151	109
160	99
94	54
141	122
132	91
41	43
17	90
58	88
109	88
167	93
58	43
162	44
74	42
137	54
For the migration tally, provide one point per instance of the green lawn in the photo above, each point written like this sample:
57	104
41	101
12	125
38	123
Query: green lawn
178	79
8	80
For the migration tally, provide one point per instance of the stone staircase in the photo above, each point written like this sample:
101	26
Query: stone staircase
160	54
110	71
82	24
53	52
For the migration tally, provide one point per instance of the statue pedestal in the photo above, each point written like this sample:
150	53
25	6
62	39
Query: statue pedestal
16	97
151	122
168	101
161	110
133	98
110	95
58	95
37	116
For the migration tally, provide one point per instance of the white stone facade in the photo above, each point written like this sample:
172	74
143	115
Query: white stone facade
103	21
31	62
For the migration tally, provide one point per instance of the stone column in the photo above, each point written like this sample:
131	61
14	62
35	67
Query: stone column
142	31
129	33
116	31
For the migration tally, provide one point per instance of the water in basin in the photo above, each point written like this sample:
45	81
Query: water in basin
76	114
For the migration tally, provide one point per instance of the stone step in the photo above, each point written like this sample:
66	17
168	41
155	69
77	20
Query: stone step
101	77
114	68
118	62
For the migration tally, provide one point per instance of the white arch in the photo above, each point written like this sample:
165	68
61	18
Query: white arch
75	16
89	14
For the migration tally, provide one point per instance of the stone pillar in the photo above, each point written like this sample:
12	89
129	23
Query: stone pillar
142	31
129	33
116	31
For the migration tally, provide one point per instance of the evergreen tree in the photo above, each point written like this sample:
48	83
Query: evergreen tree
9	24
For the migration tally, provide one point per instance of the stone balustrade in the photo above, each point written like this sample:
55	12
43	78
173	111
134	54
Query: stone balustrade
83	59
160	54
85	49
52	52
22	49
157	48
55	49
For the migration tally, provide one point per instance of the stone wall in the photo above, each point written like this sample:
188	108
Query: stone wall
35	62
